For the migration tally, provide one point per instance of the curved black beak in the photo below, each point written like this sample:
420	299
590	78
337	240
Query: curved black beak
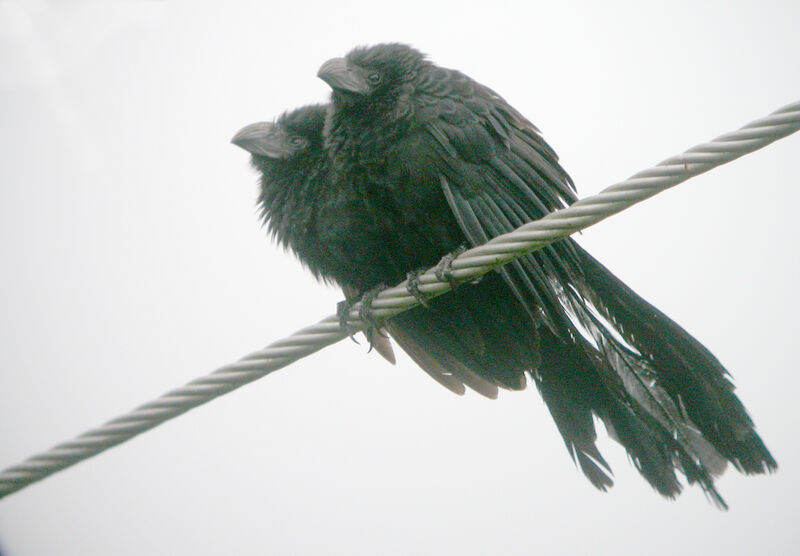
261	139
337	73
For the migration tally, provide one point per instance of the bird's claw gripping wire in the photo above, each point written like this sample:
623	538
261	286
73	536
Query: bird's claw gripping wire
343	314
365	314
444	270
370	333
412	287
365	311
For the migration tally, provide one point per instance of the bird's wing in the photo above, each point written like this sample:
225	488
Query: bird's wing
497	172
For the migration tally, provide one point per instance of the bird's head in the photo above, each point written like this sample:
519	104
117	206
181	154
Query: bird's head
290	157
372	75
292	135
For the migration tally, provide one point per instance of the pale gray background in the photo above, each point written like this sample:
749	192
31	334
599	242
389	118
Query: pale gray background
132	262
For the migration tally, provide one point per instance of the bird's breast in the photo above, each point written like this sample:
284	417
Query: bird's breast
387	218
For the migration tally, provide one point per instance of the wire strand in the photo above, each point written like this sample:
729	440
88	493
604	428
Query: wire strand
468	266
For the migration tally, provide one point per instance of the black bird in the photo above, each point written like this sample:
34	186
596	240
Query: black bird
294	190
419	160
436	160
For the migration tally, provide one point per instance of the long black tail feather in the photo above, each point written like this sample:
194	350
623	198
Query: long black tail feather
576	382
696	382
572	394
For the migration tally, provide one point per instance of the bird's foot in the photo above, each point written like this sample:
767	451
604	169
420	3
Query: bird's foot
412	287
378	337
366	315
343	313
365	311
375	335
444	270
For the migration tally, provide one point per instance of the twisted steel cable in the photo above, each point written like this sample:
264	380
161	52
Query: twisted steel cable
466	267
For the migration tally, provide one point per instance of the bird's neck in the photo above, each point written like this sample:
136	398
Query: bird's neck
285	195
356	132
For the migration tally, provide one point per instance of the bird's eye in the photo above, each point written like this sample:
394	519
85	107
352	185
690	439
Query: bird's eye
297	141
374	78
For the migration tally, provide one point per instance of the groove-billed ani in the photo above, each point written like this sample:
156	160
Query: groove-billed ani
423	159
293	165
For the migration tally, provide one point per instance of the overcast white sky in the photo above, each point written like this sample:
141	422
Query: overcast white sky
133	262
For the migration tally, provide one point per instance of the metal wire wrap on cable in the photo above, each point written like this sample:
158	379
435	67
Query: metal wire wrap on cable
468	266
